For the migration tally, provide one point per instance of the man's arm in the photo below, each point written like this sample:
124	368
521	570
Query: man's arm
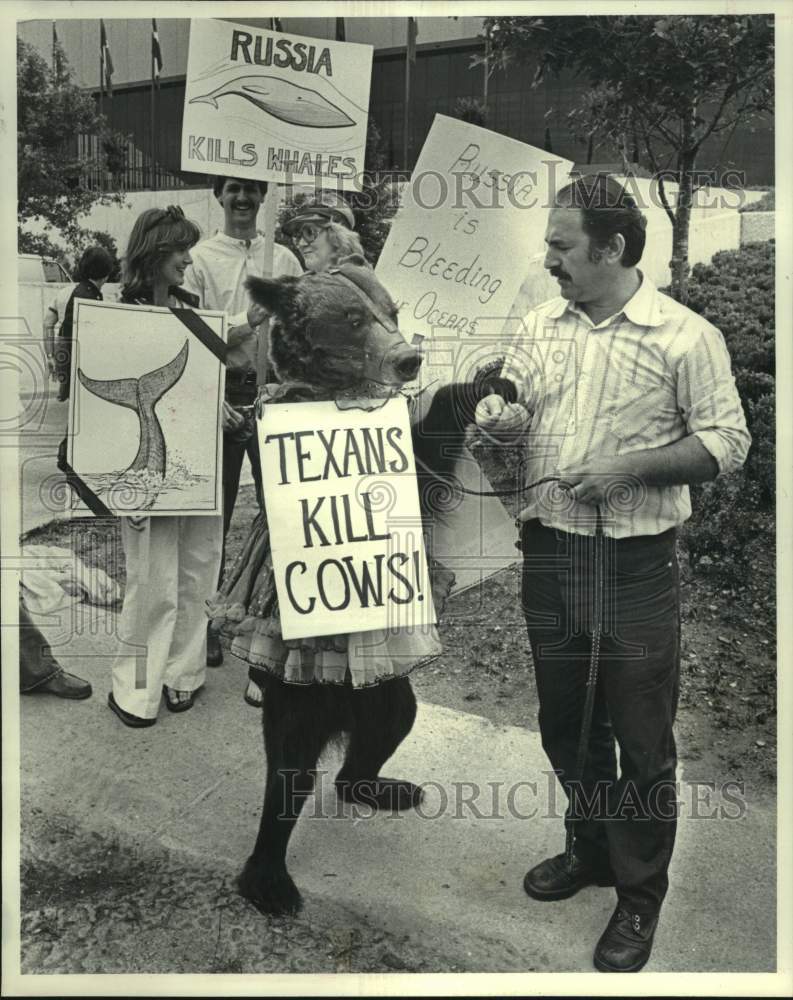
717	441
50	319
245	324
684	462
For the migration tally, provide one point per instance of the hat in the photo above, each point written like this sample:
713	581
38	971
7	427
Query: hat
339	212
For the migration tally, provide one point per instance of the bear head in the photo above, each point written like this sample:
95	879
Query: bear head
336	330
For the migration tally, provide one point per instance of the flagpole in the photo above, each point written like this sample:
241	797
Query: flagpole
406	139
152	117
487	69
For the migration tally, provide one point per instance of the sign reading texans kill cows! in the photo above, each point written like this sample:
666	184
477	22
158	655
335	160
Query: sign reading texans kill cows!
274	106
472	221
342	507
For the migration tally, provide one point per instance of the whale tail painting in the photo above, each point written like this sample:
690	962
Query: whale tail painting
288	102
142	395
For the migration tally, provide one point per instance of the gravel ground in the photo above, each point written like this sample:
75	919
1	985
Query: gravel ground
93	905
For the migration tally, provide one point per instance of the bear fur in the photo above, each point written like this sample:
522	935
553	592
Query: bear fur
337	336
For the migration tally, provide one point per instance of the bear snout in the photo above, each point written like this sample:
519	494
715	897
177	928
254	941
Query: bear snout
407	361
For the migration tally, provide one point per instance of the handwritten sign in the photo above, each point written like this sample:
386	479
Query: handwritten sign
274	106
343	511
145	410
471	225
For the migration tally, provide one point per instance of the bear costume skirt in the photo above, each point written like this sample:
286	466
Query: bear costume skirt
246	609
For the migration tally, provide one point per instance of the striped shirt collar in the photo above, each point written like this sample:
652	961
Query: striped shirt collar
643	308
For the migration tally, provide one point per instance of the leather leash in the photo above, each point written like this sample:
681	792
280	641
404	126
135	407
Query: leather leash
594	656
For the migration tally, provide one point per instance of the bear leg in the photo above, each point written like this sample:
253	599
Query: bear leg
383	715
297	725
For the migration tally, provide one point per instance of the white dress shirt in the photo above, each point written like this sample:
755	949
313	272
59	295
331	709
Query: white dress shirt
222	263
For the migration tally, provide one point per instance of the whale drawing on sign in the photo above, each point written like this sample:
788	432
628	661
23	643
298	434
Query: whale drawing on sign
141	395
288	102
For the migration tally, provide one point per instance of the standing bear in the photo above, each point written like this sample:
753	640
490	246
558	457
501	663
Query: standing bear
334	336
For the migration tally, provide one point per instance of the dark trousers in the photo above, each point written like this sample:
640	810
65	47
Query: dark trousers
234	452
37	665
624	822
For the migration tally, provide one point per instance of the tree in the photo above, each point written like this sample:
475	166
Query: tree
51	113
659	88
471	110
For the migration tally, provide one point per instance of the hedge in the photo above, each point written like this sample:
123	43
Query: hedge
734	515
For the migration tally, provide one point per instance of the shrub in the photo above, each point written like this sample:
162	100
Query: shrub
764	204
733	516
726	528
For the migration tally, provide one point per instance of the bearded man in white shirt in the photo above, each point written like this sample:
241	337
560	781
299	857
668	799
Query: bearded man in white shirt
217	275
627	397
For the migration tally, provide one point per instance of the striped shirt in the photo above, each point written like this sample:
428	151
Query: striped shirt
653	373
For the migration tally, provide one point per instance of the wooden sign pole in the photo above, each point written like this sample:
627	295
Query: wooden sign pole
269	219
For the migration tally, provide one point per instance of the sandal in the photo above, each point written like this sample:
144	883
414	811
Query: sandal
253	695
178	704
133	721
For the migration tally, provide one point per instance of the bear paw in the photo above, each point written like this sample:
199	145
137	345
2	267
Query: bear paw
270	890
380	793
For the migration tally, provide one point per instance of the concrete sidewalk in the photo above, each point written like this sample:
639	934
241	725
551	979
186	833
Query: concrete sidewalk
193	784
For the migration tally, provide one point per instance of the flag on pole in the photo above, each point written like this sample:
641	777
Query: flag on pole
413	30
156	53
340	30
106	61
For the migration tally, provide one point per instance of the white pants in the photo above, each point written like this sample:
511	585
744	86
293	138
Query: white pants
172	568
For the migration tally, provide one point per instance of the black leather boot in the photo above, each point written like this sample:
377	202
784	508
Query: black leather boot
553	879
627	941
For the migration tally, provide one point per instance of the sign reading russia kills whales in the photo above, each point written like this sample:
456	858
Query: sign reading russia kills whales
274	106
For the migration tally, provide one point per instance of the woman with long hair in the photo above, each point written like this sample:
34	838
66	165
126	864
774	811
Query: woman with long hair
172	562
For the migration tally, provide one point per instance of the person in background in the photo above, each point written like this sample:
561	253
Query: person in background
94	269
220	265
172	562
39	671
323	233
53	318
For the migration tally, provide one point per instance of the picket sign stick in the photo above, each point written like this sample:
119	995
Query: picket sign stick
269	218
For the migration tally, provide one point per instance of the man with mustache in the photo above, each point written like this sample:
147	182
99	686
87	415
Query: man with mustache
628	397
217	275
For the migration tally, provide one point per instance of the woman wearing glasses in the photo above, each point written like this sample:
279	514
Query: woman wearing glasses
172	562
323	234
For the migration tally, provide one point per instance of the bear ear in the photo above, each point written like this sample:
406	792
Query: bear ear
274	294
354	258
